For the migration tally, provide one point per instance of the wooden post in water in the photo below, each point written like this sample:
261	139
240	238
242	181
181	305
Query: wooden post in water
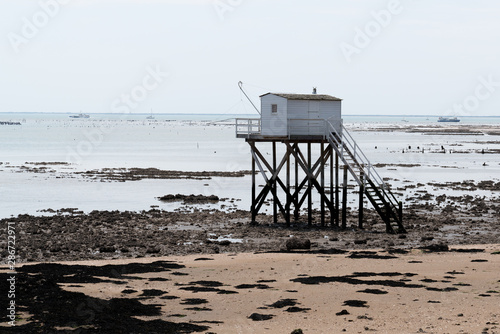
344	199
361	195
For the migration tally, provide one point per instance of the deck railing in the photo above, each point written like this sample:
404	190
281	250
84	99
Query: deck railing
247	126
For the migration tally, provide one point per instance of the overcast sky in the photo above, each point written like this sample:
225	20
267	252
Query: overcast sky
408	57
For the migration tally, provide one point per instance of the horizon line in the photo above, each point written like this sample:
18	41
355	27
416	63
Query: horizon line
356	115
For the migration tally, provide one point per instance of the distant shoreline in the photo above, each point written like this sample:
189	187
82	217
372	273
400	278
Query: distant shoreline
187	114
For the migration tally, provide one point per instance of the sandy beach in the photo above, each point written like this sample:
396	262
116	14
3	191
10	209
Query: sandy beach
457	291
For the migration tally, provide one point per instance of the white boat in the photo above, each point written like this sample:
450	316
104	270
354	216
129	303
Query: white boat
448	119
80	115
151	116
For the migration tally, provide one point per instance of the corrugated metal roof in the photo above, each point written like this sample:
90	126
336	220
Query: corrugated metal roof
313	97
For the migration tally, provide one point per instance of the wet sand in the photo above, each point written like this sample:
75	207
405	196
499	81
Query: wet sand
354	292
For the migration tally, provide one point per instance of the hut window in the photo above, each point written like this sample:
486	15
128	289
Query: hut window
274	108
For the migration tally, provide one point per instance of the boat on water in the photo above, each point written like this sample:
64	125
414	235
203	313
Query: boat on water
448	119
80	115
151	116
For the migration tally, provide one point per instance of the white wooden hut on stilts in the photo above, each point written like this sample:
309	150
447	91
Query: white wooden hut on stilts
303	123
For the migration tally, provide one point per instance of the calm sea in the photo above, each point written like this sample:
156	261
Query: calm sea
197	143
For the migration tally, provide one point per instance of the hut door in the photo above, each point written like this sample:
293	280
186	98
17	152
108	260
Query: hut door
314	120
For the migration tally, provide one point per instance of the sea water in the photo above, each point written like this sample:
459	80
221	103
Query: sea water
201	143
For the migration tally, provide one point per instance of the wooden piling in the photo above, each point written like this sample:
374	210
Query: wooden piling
344	199
361	196
296	197
273	185
288	197
253	207
309	186
322	177
337	200
332	208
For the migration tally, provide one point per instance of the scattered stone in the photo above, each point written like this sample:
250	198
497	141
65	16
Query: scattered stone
297	331
191	199
283	302
260	317
355	303
194	301
198	309
441	247
152	293
253	286
373	291
298	243
129	291
295	309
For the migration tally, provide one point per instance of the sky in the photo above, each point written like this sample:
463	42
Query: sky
390	57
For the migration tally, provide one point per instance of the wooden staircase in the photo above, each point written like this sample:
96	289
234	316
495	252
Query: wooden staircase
374	187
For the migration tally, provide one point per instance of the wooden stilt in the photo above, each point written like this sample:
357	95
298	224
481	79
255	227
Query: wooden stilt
344	199
309	186
361	196
332	209
253	207
322	203
288	196
400	211
296	197
275	195
337	200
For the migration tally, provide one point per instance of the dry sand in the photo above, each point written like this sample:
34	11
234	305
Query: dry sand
417	292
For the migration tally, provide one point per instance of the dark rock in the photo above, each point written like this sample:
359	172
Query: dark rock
356	303
153	250
441	247
297	331
295	309
152	292
283	302
373	291
260	317
107	249
343	312
298	243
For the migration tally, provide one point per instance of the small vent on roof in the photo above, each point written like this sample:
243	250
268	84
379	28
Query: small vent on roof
314	90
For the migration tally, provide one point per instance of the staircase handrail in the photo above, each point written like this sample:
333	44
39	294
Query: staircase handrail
361	159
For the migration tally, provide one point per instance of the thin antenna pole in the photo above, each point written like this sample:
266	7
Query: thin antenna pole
240	84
